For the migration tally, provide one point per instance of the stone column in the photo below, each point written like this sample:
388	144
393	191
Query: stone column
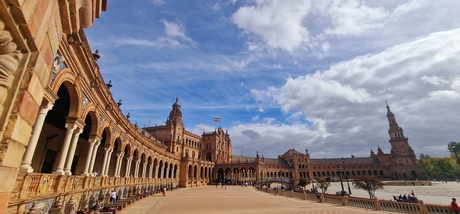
73	146
65	148
144	168
92	143
27	159
162	172
156	171
128	166
151	170
104	162
118	166
136	168
106	170
93	157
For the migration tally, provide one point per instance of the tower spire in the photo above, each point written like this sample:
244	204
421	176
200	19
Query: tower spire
399	142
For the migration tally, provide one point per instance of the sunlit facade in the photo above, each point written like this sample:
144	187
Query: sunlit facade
65	143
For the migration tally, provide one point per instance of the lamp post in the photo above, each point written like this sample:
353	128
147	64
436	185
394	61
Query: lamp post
348	184
341	182
281	180
291	178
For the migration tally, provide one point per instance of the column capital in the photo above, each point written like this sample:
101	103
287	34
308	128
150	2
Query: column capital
76	121
46	106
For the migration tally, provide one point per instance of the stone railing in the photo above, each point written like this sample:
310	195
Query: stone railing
385	205
36	185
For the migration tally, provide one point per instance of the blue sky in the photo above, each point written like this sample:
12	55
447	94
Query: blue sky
287	74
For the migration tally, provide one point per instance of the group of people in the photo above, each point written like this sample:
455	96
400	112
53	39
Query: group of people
406	198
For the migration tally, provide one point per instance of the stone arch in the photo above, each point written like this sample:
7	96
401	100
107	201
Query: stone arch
156	166
117	146
134	163
127	151
67	79
84	149
59	120
161	169
150	172
165	169
171	170
189	172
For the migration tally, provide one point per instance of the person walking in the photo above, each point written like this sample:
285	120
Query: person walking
113	196
164	191
454	206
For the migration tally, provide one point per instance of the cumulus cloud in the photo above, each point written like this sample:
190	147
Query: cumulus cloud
279	23
250	134
308	25
347	99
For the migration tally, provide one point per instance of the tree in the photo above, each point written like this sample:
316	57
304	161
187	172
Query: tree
323	184
303	182
440	168
368	183
454	149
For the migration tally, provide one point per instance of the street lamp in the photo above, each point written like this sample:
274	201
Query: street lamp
348	184
291	178
281	180
341	182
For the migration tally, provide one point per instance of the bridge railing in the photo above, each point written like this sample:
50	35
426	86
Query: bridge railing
385	205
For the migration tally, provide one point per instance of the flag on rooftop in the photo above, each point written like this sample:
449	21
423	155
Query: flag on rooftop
216	119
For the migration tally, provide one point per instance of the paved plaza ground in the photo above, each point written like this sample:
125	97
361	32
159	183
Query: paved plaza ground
239	200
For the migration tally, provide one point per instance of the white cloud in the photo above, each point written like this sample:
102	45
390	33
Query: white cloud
435	80
158	2
278	23
347	100
351	17
176	31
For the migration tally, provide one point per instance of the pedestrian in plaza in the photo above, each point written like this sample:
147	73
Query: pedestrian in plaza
454	206
164	191
113	196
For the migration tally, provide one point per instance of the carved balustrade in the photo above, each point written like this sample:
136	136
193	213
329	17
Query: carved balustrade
386	205
37	185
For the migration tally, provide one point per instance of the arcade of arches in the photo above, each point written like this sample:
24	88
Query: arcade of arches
65	143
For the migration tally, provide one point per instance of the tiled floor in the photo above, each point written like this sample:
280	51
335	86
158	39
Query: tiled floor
236	199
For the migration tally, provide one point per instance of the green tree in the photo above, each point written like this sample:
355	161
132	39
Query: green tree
368	183
303	182
323	184
440	168
454	149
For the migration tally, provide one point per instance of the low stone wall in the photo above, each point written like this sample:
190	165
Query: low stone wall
407	183
375	204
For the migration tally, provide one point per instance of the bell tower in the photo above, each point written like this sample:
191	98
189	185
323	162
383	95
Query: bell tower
176	125
400	150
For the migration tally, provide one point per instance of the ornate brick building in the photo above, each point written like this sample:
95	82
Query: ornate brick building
289	168
65	143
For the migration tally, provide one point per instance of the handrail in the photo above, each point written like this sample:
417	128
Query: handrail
375	204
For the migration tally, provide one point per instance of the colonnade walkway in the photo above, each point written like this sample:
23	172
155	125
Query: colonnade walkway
236	199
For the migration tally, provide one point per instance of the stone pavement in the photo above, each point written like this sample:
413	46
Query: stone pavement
243	200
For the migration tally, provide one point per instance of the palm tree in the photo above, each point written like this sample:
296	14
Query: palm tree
368	183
